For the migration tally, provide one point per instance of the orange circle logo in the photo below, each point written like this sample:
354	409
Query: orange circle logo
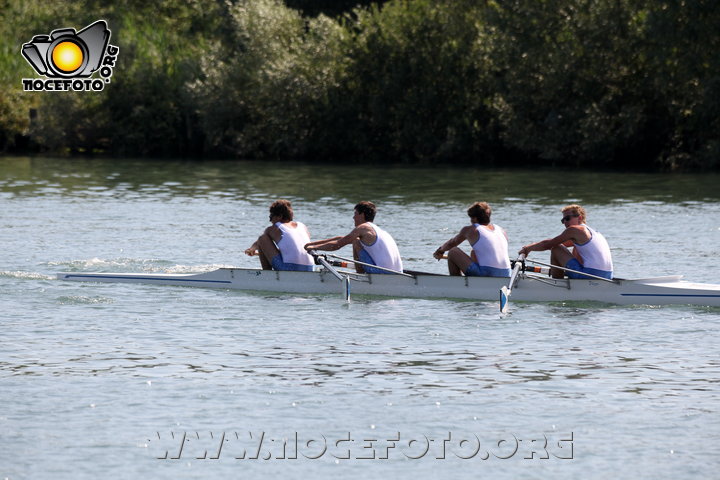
67	56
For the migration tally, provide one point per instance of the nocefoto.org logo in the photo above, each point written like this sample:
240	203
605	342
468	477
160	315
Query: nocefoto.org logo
69	58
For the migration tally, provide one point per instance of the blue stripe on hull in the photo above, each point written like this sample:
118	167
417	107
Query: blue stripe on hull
668	295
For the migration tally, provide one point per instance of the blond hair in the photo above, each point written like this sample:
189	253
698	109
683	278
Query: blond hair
576	210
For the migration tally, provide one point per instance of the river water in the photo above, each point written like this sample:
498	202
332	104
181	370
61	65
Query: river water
137	381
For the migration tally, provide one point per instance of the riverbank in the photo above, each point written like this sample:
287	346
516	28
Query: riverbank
599	84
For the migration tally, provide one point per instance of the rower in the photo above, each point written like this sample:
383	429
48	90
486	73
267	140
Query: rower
590	254
371	244
489	255
280	247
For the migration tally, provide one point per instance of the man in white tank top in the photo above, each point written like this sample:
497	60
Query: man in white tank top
489	256
591	252
280	247
371	244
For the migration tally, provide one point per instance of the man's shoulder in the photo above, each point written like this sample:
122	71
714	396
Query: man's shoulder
581	231
367	226
468	229
273	229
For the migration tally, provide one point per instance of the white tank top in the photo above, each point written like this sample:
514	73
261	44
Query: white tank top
384	251
292	244
491	249
595	252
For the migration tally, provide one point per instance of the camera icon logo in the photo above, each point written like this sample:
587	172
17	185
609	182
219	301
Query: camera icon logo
66	53
69	58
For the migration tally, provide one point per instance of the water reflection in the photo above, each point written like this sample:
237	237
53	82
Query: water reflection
257	181
460	372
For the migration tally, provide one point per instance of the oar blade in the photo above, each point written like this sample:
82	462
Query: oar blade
504	299
346	288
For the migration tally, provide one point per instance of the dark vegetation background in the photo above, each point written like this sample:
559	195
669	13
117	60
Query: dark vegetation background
597	83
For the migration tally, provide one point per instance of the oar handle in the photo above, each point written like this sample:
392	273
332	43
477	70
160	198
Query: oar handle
521	259
316	256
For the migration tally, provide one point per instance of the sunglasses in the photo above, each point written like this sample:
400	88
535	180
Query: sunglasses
567	218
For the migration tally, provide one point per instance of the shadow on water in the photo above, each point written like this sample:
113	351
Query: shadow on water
260	181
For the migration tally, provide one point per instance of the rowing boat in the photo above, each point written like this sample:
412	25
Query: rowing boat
528	287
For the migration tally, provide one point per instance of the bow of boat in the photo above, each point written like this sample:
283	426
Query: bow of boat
670	290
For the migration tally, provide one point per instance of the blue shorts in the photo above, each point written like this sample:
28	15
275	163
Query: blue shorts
278	264
475	270
366	258
575	265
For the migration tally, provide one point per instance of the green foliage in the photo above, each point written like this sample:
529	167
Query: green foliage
570	83
150	110
262	93
19	22
417	81
145	110
330	8
684	55
631	83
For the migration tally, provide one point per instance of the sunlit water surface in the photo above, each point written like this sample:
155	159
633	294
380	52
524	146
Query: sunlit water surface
103	379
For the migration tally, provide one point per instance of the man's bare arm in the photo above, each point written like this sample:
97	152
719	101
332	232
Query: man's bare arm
453	242
272	231
570	234
335	243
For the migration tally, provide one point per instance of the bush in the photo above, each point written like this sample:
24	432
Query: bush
623	83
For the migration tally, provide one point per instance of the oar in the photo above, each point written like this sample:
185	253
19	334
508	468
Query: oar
337	263
506	291
574	271
389	270
345	279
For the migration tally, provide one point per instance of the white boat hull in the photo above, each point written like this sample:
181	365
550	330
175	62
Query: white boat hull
529	287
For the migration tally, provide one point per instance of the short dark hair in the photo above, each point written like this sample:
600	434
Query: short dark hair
368	209
282	209
481	211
